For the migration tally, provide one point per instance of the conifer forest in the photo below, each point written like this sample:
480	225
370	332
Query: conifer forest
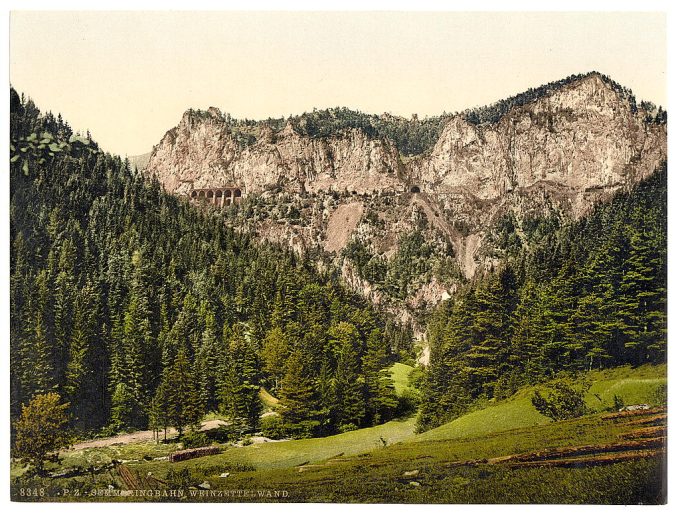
371	318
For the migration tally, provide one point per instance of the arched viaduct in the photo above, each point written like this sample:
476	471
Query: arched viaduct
218	196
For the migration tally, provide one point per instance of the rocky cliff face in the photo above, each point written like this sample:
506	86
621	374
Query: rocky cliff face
580	138
202	152
573	146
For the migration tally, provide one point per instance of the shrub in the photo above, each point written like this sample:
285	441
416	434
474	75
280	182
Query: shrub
41	429
407	403
661	395
194	439
562	402
273	427
346	428
222	434
618	403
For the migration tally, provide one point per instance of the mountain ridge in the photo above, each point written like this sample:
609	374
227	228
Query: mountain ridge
234	144
564	146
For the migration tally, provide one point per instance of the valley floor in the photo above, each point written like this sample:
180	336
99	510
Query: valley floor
504	452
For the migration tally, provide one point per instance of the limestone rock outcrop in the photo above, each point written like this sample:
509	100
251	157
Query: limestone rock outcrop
582	138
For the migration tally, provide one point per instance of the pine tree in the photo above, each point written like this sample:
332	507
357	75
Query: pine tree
488	356
81	371
124	408
161	410
529	334
274	354
20	292
446	390
643	292
64	298
349	407
596	321
557	299
297	395
136	334
206	363
38	370
184	406
381	399
243	400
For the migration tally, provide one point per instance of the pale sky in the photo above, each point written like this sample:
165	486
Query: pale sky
129	76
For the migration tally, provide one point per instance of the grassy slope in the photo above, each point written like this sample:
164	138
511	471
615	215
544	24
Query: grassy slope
516	412
294	452
379	476
635	386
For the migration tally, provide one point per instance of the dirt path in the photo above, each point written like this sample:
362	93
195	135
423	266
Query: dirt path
139	436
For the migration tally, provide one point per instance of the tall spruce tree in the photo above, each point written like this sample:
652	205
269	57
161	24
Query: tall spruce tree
297	396
381	399
183	400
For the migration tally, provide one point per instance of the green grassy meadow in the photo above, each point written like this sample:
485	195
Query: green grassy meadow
390	463
400	377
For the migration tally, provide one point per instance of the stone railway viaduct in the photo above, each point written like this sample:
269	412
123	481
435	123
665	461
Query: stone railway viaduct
232	194
218	196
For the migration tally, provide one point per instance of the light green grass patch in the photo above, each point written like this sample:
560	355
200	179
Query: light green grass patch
400	373
98	456
213	415
290	453
633	385
512	413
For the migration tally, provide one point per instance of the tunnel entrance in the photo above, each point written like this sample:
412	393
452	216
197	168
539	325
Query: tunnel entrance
415	189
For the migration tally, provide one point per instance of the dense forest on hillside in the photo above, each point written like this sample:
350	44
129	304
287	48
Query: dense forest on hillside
411	136
582	295
141	310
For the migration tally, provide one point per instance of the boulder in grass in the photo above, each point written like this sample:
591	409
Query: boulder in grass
197	452
635	407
